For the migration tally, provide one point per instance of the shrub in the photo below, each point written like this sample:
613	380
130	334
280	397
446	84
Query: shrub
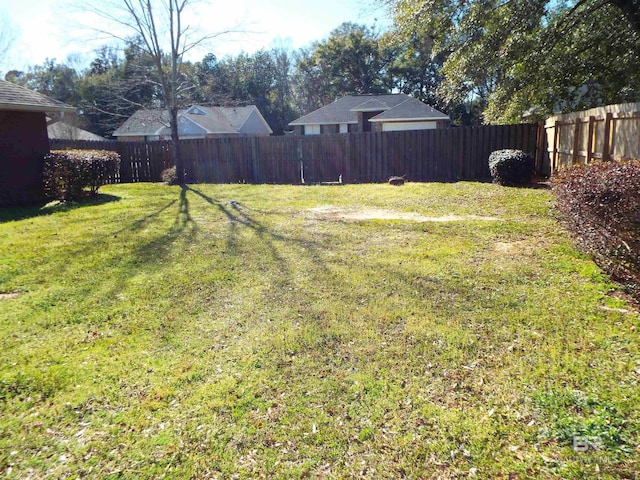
67	173
169	176
511	167
600	203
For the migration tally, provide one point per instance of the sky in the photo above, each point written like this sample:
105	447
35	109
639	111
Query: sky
56	29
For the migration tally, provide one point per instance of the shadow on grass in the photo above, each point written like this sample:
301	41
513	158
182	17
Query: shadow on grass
150	248
239	214
156	249
537	183
10	214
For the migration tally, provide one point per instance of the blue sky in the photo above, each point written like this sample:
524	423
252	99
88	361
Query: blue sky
52	29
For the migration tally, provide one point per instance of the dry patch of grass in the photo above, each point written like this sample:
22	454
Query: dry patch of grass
328	212
9	296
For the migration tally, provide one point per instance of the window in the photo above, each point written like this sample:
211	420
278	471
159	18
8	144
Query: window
328	128
312	129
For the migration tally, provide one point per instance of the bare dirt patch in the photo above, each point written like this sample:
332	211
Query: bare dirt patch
8	296
357	214
511	247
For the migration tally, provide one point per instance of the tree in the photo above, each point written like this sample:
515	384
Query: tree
7	37
166	39
414	69
509	55
281	95
113	88
350	61
261	79
52	79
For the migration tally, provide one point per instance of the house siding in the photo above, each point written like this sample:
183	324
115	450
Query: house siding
254	126
189	129
23	144
404	126
313	129
136	139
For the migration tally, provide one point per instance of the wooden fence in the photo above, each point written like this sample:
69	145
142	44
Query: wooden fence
424	155
599	134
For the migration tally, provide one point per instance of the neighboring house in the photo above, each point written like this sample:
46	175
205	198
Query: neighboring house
375	112
23	143
58	129
194	122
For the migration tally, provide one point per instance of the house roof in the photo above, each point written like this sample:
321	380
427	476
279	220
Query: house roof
372	105
17	98
211	120
394	107
60	130
412	109
144	122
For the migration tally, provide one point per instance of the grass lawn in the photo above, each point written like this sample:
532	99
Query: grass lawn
364	331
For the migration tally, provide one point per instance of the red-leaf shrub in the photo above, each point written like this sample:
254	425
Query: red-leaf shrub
601	206
67	173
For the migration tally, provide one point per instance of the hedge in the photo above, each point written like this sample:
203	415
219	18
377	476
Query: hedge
600	203
69	173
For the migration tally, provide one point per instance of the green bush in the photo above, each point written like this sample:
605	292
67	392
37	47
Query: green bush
511	167
68	173
601	205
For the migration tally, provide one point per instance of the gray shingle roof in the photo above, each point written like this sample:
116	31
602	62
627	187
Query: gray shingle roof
395	106
15	97
412	109
372	105
64	131
144	122
213	120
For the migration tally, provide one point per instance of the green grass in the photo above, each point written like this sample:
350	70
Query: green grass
160	332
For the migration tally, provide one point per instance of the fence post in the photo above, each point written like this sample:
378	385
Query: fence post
126	175
590	139
300	159
556	139
541	135
257	174
576	142
606	141
347	158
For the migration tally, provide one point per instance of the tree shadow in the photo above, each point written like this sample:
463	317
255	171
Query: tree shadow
155	250
534	185
9	214
238	214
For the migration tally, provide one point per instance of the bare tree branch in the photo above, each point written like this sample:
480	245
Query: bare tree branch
7	37
160	24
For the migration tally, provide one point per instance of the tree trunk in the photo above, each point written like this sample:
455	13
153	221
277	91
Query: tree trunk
175	145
